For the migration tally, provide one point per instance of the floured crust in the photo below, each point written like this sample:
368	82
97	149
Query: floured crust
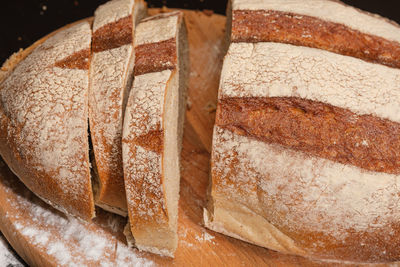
278	70
274	183
142	166
157	28
153	219
328	210
43	132
110	80
318	129
300	29
112	12
327	10
10	64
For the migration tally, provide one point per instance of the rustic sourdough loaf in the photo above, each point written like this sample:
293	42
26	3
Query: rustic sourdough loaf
110	80
152	133
306	147
43	119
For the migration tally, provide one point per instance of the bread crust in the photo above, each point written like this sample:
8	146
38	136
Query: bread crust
113	35
49	165
328	210
319	129
330	11
275	183
269	69
13	61
155	57
297	29
153	219
110	80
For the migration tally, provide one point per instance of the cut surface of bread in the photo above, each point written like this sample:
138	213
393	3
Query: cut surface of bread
306	154
153	129
43	120
111	73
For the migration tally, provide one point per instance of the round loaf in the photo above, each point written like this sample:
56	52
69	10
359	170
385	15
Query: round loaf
43	118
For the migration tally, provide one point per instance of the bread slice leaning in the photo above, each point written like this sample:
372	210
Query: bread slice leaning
111	74
306	148
43	119
152	134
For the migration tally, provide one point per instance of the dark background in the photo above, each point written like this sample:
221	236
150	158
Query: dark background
22	22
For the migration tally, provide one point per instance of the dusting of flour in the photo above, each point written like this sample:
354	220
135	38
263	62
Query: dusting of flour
7	258
69	241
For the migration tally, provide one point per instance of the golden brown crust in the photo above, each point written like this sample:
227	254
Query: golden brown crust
316	128
277	26
9	65
297	205
113	35
78	60
152	141
155	57
112	189
44	181
40	180
110	82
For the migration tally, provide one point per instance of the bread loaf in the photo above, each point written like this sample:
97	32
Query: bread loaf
152	133
111	73
43	120
306	148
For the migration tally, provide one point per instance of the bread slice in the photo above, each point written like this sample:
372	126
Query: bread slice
43	119
306	148
111	74
153	129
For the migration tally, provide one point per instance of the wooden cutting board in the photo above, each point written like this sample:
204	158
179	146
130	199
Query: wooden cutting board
43	236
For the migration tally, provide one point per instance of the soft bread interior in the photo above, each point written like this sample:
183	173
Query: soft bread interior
238	221
174	116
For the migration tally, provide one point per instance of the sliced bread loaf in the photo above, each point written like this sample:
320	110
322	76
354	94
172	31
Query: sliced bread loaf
153	129
111	74
43	120
306	148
